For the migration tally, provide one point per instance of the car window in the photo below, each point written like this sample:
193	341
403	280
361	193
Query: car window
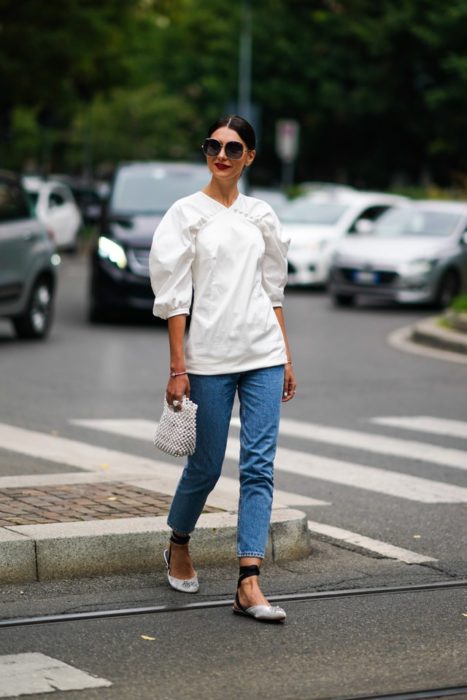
417	222
56	198
154	190
305	211
369	214
13	203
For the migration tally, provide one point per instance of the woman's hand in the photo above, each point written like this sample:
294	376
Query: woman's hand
177	388
290	383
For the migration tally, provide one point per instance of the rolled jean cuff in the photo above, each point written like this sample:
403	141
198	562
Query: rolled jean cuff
259	555
177	530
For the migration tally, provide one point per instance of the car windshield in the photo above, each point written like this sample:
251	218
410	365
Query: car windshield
306	211
33	197
416	222
153	190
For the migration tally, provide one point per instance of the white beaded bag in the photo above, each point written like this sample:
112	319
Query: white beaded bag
176	431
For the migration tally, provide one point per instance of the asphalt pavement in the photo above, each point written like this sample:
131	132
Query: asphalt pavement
372	450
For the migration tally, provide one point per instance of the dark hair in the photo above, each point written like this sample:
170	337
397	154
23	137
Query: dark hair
238	124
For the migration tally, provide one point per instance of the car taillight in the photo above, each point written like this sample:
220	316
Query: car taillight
50	234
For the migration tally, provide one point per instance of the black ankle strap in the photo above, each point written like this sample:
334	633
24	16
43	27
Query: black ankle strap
247	571
179	539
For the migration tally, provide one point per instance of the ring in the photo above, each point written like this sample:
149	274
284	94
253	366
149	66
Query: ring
176	403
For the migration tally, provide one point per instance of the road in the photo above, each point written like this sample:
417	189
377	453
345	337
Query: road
377	435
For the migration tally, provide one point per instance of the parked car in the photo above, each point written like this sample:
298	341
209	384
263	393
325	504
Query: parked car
316	222
28	263
412	255
140	195
276	198
56	208
89	195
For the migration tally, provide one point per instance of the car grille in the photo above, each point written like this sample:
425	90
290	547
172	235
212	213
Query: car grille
383	277
138	260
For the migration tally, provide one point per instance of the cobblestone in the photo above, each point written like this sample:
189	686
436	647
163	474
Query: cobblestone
75	502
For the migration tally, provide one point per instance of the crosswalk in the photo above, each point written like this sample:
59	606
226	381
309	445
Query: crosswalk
355	473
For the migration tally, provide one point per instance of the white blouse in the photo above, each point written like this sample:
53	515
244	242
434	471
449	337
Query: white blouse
233	261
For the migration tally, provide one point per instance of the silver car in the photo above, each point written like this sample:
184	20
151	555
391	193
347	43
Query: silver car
417	254
28	263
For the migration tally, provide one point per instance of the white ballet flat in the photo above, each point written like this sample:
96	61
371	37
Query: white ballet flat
184	585
265	613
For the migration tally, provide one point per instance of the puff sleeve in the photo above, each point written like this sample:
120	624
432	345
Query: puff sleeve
274	266
170	262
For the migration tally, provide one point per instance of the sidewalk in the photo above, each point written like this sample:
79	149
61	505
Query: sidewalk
71	525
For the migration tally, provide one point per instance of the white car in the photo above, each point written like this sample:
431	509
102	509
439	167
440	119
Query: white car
56	209
316	223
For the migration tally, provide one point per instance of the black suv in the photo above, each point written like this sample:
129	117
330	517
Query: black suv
28	263
140	195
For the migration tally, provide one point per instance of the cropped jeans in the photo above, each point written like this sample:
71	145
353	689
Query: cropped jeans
260	393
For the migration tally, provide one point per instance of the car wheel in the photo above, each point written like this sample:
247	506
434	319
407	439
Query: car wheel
37	319
448	289
343	299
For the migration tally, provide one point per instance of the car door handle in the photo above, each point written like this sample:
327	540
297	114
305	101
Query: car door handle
30	235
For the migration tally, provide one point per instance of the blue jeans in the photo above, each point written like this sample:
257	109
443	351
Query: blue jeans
260	393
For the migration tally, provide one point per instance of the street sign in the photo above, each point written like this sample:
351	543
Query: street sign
287	132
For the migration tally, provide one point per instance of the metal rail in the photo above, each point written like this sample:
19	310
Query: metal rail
204	605
414	694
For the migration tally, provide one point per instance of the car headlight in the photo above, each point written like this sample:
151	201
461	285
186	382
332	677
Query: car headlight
112	251
418	268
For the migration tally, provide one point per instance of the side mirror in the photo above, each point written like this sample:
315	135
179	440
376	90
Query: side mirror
364	226
464	238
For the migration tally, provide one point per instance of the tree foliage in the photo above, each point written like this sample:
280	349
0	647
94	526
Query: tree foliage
379	89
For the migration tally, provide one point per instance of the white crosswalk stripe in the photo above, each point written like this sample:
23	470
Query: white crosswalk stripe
32	672
426	424
354	439
389	483
311	465
158	474
122	465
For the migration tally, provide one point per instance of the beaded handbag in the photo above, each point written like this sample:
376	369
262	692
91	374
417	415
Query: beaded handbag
176	431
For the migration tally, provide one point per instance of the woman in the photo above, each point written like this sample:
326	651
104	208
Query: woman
227	250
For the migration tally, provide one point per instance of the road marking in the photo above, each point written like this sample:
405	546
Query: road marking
353	439
412	488
426	424
389	483
30	673
386	550
157	475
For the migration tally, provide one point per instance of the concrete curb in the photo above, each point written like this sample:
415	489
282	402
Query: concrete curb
402	339
102	547
428	332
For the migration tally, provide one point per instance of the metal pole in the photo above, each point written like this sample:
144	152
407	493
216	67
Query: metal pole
244	66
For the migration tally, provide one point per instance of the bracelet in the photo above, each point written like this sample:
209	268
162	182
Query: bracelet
289	363
177	374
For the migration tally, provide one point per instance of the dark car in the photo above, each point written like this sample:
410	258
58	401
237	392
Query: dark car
140	195
28	263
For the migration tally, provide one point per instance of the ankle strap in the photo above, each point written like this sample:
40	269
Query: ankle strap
179	539
247	571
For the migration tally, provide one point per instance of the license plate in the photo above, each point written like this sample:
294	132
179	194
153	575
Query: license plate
365	277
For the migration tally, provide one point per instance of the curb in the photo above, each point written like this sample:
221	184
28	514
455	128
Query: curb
428	332
427	344
102	547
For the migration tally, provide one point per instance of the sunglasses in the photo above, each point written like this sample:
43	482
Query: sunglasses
232	149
